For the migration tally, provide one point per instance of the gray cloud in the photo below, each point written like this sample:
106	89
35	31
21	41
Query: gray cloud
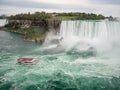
93	6
113	2
27	4
41	5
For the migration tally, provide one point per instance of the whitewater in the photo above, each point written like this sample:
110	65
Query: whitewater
86	57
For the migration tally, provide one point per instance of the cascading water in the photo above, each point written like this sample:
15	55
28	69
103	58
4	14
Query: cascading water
3	22
86	58
90	32
90	29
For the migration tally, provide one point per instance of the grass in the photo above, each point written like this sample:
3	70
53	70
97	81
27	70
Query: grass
65	17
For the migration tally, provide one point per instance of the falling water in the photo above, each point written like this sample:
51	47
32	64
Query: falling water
91	29
87	58
3	22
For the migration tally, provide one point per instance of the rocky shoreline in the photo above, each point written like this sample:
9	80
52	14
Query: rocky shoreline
34	31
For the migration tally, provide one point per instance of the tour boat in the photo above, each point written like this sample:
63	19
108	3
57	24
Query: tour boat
26	61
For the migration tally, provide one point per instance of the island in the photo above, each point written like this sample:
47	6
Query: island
35	26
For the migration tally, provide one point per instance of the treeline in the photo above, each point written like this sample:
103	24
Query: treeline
62	16
28	16
81	16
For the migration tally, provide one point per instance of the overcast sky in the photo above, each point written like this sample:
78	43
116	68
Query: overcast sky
105	7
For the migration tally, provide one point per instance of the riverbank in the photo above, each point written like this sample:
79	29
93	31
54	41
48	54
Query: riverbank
34	31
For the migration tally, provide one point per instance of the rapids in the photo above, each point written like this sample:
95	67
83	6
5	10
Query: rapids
86	58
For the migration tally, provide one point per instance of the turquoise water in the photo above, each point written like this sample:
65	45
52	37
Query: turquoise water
58	68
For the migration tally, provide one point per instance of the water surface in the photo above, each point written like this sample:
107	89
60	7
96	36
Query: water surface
66	67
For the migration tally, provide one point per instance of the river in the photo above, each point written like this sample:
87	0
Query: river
75	64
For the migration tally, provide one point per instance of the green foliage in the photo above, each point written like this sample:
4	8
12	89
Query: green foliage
34	32
43	16
79	16
35	16
13	25
37	27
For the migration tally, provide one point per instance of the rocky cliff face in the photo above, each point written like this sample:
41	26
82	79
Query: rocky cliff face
34	30
50	23
54	26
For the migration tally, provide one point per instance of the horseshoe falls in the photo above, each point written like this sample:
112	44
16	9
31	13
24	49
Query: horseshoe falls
87	57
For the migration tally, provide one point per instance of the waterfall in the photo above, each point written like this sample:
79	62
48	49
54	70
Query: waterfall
99	34
90	29
3	22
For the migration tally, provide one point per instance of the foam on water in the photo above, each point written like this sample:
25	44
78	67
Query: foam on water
86	63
